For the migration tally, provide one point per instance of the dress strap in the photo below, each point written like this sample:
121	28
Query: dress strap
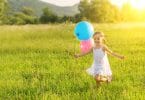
98	48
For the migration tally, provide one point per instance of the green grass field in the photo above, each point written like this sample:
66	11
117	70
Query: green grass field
36	63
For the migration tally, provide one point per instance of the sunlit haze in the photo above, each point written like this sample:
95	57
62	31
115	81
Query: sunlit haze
138	4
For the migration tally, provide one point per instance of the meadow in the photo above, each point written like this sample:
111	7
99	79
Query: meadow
37	63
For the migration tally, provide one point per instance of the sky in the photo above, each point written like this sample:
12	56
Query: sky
139	4
72	2
119	3
62	2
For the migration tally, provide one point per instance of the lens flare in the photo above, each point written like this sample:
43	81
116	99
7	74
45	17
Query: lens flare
138	4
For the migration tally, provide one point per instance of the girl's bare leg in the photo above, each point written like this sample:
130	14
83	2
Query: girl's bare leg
109	79
99	79
103	79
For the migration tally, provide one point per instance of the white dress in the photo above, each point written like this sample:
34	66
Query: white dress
101	64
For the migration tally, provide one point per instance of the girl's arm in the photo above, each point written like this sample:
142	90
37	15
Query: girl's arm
113	53
83	54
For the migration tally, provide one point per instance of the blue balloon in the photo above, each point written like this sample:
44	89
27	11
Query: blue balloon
84	30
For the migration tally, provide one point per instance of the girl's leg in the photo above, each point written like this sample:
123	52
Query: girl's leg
103	78
97	79
109	79
100	78
106	79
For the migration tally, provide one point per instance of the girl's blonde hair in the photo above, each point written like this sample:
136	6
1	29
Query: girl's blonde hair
102	34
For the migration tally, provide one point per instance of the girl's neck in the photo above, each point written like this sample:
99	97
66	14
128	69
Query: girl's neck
98	45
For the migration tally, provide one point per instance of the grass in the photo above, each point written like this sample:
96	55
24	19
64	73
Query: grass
36	63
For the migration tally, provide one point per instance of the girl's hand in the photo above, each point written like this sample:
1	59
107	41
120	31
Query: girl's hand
122	57
77	55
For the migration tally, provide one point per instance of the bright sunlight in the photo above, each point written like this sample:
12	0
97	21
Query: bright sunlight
137	4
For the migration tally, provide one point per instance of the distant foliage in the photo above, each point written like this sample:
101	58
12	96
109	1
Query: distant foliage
98	11
48	16
26	16
131	14
102	11
3	8
28	11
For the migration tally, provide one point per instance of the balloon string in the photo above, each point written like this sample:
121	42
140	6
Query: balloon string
74	46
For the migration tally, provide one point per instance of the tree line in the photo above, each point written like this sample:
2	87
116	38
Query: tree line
100	11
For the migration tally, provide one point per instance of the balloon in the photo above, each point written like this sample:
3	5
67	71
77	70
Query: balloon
84	30
85	45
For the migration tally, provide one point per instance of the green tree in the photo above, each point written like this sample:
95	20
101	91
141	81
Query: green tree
99	11
48	16
77	18
3	8
26	16
84	8
104	11
27	11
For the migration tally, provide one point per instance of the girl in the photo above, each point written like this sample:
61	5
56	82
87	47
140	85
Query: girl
100	68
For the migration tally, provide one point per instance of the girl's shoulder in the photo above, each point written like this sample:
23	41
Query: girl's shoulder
93	47
99	48
104	47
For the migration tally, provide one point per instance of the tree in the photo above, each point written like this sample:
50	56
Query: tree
99	11
48	16
3	6
84	8
26	16
77	18
27	11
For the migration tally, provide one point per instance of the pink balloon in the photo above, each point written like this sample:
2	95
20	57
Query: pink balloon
85	45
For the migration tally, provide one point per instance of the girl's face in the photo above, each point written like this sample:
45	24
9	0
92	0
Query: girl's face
98	38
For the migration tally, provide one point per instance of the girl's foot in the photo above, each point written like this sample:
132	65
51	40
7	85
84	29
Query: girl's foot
109	79
98	84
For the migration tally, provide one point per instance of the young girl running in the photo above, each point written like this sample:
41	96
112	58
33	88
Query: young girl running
100	68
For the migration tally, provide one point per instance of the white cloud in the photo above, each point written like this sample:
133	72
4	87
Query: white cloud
62	2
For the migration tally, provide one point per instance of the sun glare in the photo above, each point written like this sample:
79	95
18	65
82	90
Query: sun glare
138	4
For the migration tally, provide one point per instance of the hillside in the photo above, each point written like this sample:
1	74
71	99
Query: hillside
37	6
